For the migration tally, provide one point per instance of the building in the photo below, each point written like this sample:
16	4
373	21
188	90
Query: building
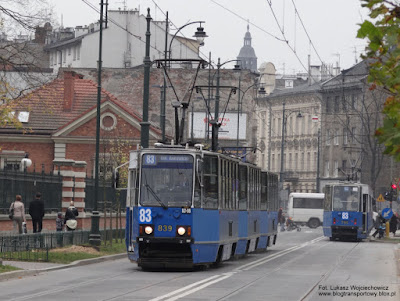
124	36
58	129
331	122
247	56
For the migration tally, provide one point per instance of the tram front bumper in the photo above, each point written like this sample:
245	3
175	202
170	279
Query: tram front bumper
171	240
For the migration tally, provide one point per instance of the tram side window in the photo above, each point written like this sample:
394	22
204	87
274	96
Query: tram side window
242	187
133	191
210	167
264	191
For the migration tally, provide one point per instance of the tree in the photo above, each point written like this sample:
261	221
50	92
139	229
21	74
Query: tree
22	58
383	52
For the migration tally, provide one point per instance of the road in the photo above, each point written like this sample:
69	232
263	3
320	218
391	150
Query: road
301	266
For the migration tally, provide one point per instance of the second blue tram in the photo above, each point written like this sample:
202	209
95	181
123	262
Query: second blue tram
188	207
347	211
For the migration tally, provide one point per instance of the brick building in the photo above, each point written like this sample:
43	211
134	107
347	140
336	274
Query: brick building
58	130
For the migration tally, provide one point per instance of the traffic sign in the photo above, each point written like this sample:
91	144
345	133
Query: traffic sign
387	213
380	198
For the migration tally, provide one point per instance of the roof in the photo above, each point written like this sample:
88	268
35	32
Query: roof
46	105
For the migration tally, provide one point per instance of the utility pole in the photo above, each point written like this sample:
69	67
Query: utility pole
145	124
164	90
318	162
94	237
215	125
282	143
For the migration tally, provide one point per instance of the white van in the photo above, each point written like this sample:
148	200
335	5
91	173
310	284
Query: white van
306	208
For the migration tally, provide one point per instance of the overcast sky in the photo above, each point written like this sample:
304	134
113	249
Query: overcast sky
330	24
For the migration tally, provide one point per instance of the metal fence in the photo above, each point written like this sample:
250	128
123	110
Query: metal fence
13	182
35	247
107	192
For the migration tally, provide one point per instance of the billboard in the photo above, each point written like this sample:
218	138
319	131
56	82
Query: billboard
227	131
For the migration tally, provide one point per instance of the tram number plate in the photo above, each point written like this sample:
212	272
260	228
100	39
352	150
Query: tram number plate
345	222
186	210
164	228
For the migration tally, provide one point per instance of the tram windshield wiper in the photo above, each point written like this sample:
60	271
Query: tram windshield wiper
155	196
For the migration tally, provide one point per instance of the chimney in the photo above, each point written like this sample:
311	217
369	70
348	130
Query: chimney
69	89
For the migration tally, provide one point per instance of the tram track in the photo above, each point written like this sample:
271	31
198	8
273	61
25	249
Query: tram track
329	272
195	287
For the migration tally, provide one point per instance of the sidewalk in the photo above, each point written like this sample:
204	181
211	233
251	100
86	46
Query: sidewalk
34	268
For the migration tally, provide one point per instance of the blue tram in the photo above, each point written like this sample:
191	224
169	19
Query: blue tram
188	207
347	211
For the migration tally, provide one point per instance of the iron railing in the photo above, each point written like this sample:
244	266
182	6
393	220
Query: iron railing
35	247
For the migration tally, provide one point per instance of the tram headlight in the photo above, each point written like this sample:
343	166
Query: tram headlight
181	231
148	230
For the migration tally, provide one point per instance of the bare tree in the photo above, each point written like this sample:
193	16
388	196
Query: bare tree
23	61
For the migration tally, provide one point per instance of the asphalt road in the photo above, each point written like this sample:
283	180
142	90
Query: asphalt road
301	266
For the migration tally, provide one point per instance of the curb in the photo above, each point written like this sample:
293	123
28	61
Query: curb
24	273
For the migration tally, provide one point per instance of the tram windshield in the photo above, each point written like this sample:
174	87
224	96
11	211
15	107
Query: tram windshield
166	180
346	198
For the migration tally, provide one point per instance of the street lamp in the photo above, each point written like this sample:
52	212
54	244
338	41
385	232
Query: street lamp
284	121
94	237
200	34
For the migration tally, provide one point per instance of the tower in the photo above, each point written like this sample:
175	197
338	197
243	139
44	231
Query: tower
247	55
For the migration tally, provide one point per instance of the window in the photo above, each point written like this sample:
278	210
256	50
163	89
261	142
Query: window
309	161
74	54
327	169
263	124
344	167
302	162
69	50
296	159
336	168
328	105
242	187
336	137
306	203
336	108
315	161
354	102
290	162
64	55
345	101
353	135
328	137
279	127
273	162
210	167
345	134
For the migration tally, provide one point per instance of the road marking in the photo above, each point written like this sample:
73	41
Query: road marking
188	290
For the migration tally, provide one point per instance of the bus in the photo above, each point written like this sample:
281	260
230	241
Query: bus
306	208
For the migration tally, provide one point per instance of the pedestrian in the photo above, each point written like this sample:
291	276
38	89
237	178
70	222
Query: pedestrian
280	216
378	221
19	213
70	217
36	210
59	222
283	221
393	224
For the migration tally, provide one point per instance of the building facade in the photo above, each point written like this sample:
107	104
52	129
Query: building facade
124	36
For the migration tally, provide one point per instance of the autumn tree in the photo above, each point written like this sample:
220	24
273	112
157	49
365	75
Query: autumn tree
383	52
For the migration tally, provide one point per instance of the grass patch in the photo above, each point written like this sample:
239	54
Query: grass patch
7	268
74	253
